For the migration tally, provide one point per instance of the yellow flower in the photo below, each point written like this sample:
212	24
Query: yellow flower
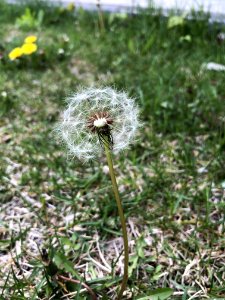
70	7
15	53
30	39
28	49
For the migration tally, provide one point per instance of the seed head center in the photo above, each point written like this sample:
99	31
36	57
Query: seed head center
101	122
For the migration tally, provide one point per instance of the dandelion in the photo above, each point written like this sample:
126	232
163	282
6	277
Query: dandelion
15	53
70	7
92	109
4	94
97	119
28	49
30	39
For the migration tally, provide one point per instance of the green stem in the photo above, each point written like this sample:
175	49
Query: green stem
122	220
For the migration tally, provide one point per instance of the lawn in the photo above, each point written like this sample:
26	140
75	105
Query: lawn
58	215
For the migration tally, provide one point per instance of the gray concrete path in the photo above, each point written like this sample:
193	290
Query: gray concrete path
215	7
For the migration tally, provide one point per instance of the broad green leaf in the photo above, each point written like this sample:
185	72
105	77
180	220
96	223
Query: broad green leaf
149	44
131	46
141	244
134	260
185	38
64	264
175	21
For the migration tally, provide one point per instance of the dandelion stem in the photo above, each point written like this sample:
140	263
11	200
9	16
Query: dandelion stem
122	219
100	16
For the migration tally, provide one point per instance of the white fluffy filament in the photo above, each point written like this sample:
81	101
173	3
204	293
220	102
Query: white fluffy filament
73	129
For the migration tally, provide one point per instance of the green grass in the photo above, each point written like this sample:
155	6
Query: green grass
171	181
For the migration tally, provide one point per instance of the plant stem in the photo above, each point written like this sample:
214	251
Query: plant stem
122	219
100	16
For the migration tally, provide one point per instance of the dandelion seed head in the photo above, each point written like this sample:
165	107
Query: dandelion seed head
92	109
100	122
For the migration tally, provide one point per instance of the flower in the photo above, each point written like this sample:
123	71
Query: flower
94	115
28	49
15	53
4	94
30	39
70	7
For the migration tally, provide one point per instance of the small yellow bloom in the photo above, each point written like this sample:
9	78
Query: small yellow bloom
28	49
15	53
70	7
30	39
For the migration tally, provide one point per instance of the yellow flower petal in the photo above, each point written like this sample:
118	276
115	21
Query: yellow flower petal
30	39
29	48
15	53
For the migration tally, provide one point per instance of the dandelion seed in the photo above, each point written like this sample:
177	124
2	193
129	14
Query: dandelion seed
4	94
94	114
